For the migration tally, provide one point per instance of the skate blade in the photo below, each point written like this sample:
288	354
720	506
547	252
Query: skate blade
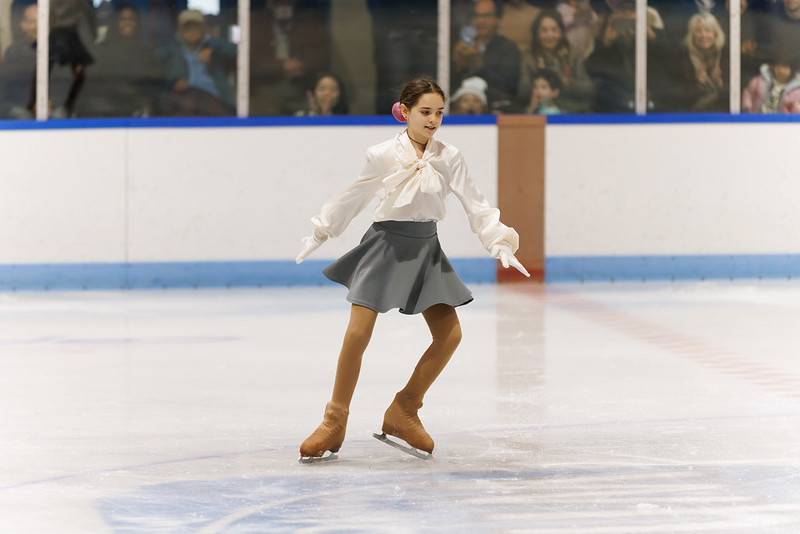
408	449
328	457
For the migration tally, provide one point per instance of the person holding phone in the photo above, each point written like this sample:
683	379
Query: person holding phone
481	51
612	64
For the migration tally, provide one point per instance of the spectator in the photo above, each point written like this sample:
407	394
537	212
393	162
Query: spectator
515	24
781	33
470	99
124	80
482	52
288	46
676	15
752	27
546	88
197	70
775	90
158	18
611	65
579	20
702	76
66	47
405	36
326	96
6	37
550	50
18	70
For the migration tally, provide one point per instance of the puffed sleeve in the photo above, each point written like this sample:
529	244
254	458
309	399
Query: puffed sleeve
340	209
484	220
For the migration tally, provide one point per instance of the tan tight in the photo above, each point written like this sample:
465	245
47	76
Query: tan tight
400	419
446	332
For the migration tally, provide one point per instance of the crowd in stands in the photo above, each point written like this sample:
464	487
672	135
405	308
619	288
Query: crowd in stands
142	58
580	56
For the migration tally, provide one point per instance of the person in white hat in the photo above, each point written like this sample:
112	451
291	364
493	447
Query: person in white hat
470	99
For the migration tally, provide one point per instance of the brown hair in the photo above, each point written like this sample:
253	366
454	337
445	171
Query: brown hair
414	90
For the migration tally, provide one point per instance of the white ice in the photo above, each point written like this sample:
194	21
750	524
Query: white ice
598	408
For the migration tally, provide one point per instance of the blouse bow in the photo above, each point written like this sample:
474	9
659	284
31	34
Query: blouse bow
415	175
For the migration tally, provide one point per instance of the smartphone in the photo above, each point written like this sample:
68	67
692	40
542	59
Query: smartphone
468	35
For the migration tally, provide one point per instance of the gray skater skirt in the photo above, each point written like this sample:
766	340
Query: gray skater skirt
399	264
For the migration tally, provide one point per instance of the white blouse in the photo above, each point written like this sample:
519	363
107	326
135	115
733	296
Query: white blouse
414	189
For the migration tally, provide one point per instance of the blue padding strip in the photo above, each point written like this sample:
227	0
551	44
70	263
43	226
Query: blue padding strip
386	120
99	276
626	268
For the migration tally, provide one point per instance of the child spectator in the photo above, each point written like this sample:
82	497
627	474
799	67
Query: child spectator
546	88
470	99
775	90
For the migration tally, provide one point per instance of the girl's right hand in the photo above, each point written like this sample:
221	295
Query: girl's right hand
310	244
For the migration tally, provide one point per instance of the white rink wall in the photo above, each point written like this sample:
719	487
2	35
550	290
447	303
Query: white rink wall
169	195
196	194
673	189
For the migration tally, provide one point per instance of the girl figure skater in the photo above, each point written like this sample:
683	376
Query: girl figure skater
399	262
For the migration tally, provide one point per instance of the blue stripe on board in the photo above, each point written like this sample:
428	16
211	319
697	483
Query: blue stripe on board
99	276
627	268
385	120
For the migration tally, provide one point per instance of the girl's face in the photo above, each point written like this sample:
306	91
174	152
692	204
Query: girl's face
703	37
542	92
327	93
425	117
549	34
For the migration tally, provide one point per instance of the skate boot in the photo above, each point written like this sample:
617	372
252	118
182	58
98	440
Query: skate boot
401	421
328	436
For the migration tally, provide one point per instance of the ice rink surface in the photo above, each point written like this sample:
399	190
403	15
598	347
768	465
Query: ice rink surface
597	408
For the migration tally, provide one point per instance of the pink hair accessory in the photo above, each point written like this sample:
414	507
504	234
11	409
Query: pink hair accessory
397	112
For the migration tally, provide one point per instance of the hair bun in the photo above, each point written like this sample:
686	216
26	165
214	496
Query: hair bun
398	114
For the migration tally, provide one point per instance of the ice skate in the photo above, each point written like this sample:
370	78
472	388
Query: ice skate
328	437
397	444
401	421
328	456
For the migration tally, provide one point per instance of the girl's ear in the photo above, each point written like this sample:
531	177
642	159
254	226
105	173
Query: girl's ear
404	110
